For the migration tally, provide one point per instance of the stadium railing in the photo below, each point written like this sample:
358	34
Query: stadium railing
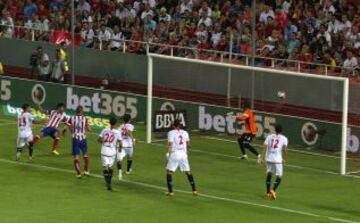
31	34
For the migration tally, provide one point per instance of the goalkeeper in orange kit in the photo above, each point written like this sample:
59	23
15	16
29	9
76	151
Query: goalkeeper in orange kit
250	132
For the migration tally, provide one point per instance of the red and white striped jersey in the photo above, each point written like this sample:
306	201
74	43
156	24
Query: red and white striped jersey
55	118
78	125
24	122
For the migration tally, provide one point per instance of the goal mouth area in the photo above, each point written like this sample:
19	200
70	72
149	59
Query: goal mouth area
259	87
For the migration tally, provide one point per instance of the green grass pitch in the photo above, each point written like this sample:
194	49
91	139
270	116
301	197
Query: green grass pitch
231	190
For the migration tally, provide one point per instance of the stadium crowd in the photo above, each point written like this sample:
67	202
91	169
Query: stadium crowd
320	31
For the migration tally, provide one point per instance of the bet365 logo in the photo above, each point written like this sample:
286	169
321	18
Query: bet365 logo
5	90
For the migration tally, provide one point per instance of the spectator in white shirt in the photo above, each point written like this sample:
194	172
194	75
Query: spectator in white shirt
339	25
8	25
324	33
147	11
116	37
205	9
84	6
350	62
104	35
201	31
205	19
216	35
164	16
87	34
152	3
122	12
266	13
186	5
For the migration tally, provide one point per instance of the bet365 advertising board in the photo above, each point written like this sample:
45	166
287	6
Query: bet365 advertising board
100	104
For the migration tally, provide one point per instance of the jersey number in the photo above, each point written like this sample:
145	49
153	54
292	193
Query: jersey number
275	143
109	138
124	132
181	141
22	122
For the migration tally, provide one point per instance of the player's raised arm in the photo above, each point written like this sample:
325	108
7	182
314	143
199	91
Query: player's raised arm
241	117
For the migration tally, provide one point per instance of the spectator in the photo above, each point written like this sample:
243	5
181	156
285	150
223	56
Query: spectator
149	23
293	42
7	25
324	33
116	39
289	29
186	5
329	60
164	16
30	9
59	68
147	11
1	68
267	12
83	6
350	62
87	34
205	9
43	66
35	59
205	19
104	35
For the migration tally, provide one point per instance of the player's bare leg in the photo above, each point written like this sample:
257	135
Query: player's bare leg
169	182
119	167
37	138
77	166
31	150
86	164
192	182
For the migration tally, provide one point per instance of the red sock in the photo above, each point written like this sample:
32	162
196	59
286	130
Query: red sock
36	139
77	166
86	163
55	143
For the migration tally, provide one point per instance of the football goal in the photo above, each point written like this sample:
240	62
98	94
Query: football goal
204	95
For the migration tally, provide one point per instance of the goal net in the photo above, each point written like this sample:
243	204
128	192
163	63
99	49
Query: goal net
312	109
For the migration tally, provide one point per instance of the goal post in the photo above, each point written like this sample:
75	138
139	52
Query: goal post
233	71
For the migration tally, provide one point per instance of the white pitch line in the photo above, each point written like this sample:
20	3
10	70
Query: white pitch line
230	156
248	203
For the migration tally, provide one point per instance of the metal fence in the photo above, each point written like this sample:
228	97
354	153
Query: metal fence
126	46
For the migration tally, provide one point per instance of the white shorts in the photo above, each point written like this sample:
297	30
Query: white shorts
178	160
23	138
107	161
125	152
275	168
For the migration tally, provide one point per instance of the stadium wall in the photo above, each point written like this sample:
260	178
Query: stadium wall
311	134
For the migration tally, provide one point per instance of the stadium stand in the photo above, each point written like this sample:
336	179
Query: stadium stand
311	31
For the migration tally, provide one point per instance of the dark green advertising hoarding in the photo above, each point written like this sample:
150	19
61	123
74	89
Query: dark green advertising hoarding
101	103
